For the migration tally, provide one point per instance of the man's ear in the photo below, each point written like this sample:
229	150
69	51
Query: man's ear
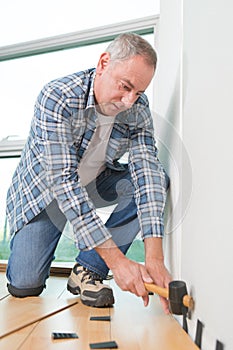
103	62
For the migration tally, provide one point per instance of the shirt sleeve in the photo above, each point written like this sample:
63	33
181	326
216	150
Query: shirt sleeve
149	177
59	162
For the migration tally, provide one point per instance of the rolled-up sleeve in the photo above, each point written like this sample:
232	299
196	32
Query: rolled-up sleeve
149	177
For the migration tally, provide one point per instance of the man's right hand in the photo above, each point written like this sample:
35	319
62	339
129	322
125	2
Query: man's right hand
129	275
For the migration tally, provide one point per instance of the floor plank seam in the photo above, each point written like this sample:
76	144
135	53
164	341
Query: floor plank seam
62	292
4	297
28	335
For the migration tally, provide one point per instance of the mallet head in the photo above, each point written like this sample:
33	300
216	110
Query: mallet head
177	290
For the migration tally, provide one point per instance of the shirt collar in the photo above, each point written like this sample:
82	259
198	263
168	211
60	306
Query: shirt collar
91	96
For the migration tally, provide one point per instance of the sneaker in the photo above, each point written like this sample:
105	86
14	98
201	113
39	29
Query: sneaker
90	287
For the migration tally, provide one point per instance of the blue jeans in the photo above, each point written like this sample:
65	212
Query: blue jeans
33	247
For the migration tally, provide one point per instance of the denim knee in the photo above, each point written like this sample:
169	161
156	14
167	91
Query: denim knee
24	292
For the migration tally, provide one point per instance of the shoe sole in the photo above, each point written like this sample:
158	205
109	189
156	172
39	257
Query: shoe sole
75	291
105	299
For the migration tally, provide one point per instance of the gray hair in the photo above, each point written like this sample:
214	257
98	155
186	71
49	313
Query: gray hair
128	45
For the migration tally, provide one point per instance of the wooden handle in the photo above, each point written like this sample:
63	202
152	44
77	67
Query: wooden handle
188	301
163	292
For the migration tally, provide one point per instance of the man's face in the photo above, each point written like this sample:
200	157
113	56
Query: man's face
119	84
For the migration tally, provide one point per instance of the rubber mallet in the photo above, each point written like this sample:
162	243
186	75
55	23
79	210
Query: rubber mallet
176	294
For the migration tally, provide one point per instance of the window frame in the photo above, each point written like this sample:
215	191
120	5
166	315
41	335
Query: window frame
145	25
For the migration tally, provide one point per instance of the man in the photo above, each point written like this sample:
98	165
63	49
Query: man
83	124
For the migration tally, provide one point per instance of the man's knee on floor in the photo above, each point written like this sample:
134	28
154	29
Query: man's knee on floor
24	292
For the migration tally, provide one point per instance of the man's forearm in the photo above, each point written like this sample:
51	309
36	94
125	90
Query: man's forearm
110	253
153	249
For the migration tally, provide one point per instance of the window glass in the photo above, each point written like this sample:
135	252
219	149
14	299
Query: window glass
23	78
7	167
26	20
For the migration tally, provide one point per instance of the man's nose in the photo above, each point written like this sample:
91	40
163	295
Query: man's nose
128	99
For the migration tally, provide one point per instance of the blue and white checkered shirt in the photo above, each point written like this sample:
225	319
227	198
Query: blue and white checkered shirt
63	124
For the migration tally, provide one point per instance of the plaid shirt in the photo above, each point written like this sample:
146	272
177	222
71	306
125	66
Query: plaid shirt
63	124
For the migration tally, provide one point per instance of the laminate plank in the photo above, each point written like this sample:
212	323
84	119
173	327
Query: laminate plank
14	341
56	286
3	288
17	313
76	319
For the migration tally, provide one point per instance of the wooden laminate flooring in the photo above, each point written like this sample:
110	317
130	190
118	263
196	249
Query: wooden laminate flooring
132	326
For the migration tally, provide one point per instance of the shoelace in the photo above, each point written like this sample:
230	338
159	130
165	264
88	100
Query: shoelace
92	277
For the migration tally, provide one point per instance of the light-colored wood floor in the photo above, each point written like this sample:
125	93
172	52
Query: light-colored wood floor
132	326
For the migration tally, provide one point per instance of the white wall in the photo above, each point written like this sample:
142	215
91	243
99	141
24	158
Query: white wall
207	242
167	110
198	100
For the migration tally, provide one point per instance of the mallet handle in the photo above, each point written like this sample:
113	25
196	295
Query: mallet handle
163	292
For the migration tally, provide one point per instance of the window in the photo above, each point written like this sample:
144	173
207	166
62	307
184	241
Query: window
27	20
24	69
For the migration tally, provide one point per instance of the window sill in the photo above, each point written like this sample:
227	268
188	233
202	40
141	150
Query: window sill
57	268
